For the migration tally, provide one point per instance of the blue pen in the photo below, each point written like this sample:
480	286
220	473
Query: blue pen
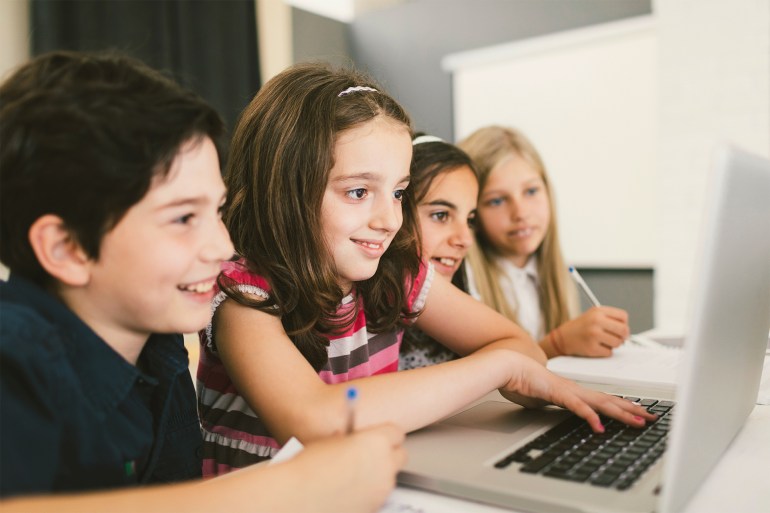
350	398
584	286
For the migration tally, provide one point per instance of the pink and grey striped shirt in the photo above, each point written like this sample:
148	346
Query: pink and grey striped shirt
233	435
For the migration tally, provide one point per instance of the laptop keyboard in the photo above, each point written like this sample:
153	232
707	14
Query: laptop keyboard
615	458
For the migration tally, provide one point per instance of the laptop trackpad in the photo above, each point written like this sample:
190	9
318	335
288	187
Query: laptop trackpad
502	417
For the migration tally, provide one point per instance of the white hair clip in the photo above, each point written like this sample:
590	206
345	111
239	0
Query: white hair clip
353	89
426	139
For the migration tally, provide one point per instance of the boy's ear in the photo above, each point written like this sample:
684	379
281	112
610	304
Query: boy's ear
58	252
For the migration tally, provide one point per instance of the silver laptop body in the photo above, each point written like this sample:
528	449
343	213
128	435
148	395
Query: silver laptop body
717	388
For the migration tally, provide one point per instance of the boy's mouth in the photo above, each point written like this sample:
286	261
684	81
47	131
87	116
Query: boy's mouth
200	287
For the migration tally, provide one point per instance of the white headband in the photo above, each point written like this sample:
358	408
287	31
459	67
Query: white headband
426	139
356	88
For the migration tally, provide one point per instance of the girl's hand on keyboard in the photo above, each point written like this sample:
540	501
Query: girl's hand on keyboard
534	386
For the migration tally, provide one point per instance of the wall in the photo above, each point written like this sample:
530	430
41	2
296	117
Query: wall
403	45
714	82
587	98
14	38
14	47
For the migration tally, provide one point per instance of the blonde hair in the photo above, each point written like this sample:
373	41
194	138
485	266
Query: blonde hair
558	296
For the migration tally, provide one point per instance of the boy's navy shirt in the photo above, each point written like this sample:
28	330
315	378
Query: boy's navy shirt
76	416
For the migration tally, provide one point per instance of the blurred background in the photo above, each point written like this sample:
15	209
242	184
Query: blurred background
625	99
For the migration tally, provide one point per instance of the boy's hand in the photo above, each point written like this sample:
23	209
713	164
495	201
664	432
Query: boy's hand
354	473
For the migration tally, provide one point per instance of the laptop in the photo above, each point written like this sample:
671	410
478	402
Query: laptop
544	461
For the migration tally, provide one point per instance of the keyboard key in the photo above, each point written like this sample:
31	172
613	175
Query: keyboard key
617	457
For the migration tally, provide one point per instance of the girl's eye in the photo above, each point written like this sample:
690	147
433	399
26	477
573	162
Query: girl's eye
495	202
185	219
221	211
441	217
399	194
356	194
531	191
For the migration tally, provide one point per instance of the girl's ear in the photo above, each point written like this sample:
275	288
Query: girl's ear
58	252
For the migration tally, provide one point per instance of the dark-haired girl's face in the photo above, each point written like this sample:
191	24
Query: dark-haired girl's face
447	213
362	205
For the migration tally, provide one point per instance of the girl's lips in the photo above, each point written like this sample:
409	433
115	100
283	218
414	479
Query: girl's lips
374	249
445	265
521	233
447	261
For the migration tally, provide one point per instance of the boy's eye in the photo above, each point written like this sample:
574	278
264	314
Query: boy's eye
221	211
356	193
472	220
441	217
495	202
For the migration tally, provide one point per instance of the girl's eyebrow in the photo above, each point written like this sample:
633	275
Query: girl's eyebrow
442	203
366	176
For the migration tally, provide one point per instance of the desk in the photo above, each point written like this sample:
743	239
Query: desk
739	483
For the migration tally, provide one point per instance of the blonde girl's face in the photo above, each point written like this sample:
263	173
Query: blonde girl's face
447	213
514	211
361	209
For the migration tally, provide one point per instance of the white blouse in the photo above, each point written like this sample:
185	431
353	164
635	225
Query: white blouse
520	287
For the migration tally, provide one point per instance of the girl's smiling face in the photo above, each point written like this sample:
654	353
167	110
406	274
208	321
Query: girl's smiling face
361	209
514	211
447	213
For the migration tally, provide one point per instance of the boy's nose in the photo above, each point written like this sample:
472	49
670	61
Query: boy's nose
219	246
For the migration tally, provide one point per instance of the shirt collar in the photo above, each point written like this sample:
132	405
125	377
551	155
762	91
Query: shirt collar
529	269
106	376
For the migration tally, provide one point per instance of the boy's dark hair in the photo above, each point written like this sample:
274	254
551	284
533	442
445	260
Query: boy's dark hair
82	135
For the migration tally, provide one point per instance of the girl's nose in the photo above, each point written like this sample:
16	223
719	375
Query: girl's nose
386	215
516	209
462	236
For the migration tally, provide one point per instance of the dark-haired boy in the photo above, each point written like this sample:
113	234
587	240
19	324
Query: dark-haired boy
110	192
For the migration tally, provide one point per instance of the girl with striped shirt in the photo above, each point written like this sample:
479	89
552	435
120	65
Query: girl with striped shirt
328	275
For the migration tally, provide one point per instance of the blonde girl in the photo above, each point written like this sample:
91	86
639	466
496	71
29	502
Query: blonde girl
517	267
321	213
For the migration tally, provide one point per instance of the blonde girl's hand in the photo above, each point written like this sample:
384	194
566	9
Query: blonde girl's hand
595	333
534	386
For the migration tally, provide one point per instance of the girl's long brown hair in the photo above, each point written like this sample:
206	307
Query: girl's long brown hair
558	298
280	158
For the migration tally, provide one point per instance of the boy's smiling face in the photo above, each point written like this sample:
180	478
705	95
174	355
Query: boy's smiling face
157	267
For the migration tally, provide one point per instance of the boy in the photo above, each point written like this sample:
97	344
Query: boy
110	193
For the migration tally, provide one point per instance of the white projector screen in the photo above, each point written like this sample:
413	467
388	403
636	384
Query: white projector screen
588	101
